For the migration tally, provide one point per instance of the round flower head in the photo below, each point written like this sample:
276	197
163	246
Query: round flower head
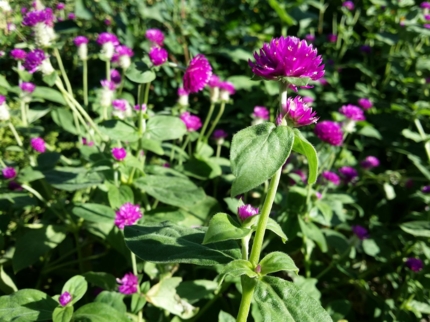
427	26
107	93
197	74
80	40
365	103
332	177
108	84
119	153
261	112
127	215
115	76
370	162
18	54
65	298
297	113
360	232
287	57
310	38
183	97
247	211
348	5
366	49
352	112
128	284
425	5
38	144
61	6
82	43
158	56
425	189
121	108
219	135
124	55
214	81
427	17
226	89
192	122
107	37
307	100
329	132
299	173
142	107
331	37
35	17
349	174
71	16
107	22
414	264
33	60
9	173
155	36
27	87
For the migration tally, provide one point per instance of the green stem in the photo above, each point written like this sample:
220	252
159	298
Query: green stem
215	122
134	265
85	81
79	250
423	136
15	134
205	125
218	150
23	113
108	70
63	71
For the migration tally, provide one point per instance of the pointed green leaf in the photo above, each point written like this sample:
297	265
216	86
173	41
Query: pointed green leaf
312	231
76	286
302	146
94	212
277	261
119	130
62	314
274	227
225	317
238	268
140	73
98	312
224	227
165	127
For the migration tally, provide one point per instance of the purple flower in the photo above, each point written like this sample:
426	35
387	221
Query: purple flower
33	60
348	5
414	264
2	99
65	298
301	174
330	132
9	173
142	107
323	81
287	57
182	92
38	144
425	189
197	74
34	17
370	162
129	284
425	5
365	103
226	89
108	84
27	87
24	10
158	56
219	134
14	186
18	54
155	36
119	153
183	97
352	112
214	81
247	211
331	37
127	215
307	100
298	113
115	76
80	40
360	232
348	173
86	142
261	112
123	50
71	16
107	37
366	49
192	122
427	17
332	177
61	6
107	22
310	38
427	26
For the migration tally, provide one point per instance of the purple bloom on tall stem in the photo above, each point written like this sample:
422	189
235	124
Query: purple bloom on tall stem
310	38
348	174
219	135
38	144
425	5
9	173
214	81
425	189
332	37
246	211
158	56
370	162
332	177
44	16
107	37
27	87
127	215
71	16
352	112
348	5
129	284
360	232
414	264
225	90
155	36
124	56
365	103
427	26
108	84
18	54
115	76
192	122
297	113
330	132
80	40
427	17
33	60
65	298
197	74
183	97
61	6
261	112
119	154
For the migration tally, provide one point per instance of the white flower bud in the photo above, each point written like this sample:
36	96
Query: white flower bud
108	50
124	61
46	67
83	52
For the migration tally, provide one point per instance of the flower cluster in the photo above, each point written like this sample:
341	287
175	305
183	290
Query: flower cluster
352	112
297	113
246	211
65	298
158	56
42	22
123	54
155	36
128	284
18	54
119	153
127	215
192	122
197	74
38	144
37	60
330	132
108	41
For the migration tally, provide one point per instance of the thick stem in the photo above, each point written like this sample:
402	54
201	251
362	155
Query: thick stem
248	286
215	122
85	81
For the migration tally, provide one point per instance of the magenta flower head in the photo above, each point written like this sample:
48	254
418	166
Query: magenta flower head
310	38
115	76
33	60
425	5
214	81
119	153
109	85
365	103
348	5
348	174
192	122
197	74
425	189
297	113
2	99
9	173
299	173
65	298
18	54
128	284
427	26
331	37
261	112
27	87
61	6
360	232
35	17
414	264
142	107
107	22
370	162
14	186
219	136
287	57
307	100
127	215
80	40
158	56
330	132
107	37
247	211
225	90
38	144
332	177
352	112
123	50
427	17
155	36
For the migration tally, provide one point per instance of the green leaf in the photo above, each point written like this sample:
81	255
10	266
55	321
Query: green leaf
3	82
274	227
281	12
202	168
302	146
6	283
225	317
279	300
312	231
257	152
277	261
113	299
297	81
224	227
138	301
417	228
49	94
164	127
62	314
94	212
174	191
81	10
193	291
27	305
153	146
418	163
140	73
103	280
119	130
238	268
98	312
28	174
371	132
64	118
76	286
119	196
170	243
72	179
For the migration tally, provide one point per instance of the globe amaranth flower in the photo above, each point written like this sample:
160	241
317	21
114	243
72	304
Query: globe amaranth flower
310	38
348	174
38	144
348	5
246	211
353	114
213	84
107	22
192	122
107	93
425	5
197	74
37	60
115	76
9	173
119	154
155	36
427	26
18	54
71	16
219	135
287	57
297	113
14	186
42	22
60	6
82	43
125	53
158	56
225	90
425	189
121	108
108	41
27	87
427	17
4	109
142	107
308	99
127	215
332	177
128	284
65	298
360	232
414	264
370	162
365	103
332	37
330	132
261	113
182	97
300	174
